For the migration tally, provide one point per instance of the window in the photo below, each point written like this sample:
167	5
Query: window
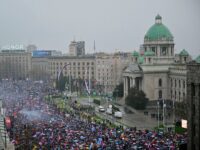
175	82
160	83
183	84
175	95
164	51
149	60
171	94
153	49
171	82
179	83
160	94
185	59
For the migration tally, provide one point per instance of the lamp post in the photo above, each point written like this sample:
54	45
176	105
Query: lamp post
65	100
164	106
158	103
174	115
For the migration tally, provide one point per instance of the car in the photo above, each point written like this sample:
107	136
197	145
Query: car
109	111
118	114
101	109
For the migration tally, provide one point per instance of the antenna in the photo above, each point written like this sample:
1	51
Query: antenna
94	47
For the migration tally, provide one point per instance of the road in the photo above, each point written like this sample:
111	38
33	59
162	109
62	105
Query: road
138	120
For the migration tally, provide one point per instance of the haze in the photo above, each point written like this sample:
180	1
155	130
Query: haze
113	24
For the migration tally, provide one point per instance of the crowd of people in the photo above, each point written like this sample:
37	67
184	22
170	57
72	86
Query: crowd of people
37	125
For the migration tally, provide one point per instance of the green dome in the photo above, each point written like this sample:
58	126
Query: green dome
149	53
141	60
158	31
183	53
136	54
197	59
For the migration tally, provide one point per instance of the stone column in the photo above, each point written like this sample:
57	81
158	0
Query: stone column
158	50
133	82
169	50
124	86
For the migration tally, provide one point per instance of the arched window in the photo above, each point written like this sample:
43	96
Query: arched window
183	96
160	83
171	82
183	84
175	82
171	94
175	95
160	94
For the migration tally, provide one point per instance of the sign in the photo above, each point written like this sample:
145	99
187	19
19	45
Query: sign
13	47
41	53
184	123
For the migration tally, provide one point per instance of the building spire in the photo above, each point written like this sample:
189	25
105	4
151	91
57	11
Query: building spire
158	19
94	47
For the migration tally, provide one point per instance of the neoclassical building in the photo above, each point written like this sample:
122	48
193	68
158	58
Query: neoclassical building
156	69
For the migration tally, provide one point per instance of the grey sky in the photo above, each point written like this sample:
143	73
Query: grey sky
113	24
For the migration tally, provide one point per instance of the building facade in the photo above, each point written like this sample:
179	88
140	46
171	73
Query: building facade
193	104
77	67
77	48
15	63
156	69
40	68
109	70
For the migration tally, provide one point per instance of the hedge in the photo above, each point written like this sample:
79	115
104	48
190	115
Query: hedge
97	101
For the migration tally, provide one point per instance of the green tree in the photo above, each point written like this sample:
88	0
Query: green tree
119	90
136	99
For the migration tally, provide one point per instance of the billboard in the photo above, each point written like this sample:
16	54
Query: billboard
41	53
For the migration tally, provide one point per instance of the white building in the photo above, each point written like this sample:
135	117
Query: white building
156	70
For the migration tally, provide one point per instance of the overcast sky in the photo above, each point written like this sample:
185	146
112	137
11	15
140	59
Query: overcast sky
113	24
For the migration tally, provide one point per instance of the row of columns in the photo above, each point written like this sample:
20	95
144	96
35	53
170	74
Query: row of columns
128	83
158	50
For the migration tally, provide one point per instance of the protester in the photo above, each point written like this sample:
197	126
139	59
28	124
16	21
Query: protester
40	126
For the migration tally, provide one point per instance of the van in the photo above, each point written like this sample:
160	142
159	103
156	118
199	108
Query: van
109	111
118	114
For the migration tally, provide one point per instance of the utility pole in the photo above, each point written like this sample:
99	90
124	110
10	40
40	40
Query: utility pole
89	86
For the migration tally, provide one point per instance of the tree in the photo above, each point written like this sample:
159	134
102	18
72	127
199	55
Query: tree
136	99
119	90
60	83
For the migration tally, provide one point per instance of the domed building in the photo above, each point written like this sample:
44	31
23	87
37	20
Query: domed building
156	69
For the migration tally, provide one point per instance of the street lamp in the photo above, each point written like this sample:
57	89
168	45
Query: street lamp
164	106
65	99
158	103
